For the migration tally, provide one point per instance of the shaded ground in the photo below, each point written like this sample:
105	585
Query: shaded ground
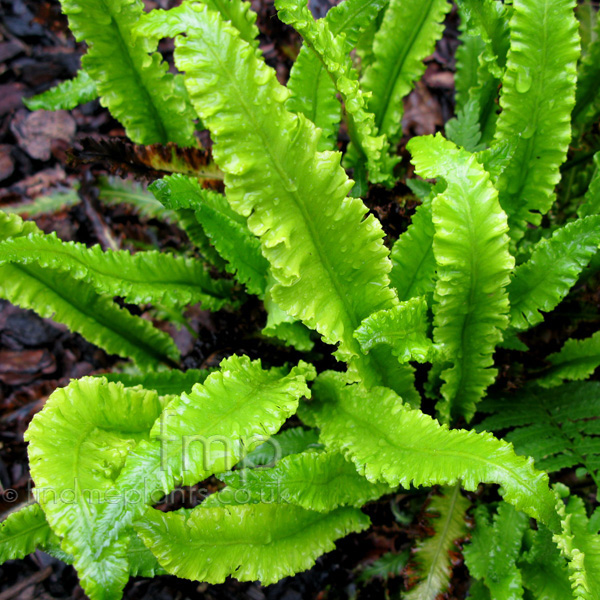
37	355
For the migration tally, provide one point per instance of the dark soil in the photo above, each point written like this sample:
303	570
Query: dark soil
38	355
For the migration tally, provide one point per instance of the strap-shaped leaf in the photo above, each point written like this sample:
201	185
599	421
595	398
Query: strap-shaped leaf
434	554
54	202
204	432
313	92
473	262
320	481
135	86
290	441
210	429
22	532
65	95
403	328
587	97
164	383
94	425
577	359
283	326
488	20
275	176
591	201
467	62
409	447
238	13
97	318
228	233
407	35
546	278
413	261
27	530
144	277
538	94
263	542
494	550
333	53
543	569
114	191
581	547
487	34
53	294
226	229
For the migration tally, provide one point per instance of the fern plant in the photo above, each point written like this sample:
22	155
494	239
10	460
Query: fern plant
474	270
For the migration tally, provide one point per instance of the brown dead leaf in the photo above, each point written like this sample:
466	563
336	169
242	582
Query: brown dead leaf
422	112
118	155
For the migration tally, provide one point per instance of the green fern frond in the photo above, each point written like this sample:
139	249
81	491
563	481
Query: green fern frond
144	277
228	234
464	130
549	427
587	97
543	569
433	555
546	278
407	35
27	530
481	60
23	532
164	383
388	565
226	229
114	191
312	92
134	77
284	327
413	261
278	179
320	481
411	447
200	433
538	94
251	542
591	200
332	51
470	246
290	441
124	455
51	203
403	328
495	549
240	406
74	303
581	547
95	425
65	95
467	63
577	359
97	318
238	14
